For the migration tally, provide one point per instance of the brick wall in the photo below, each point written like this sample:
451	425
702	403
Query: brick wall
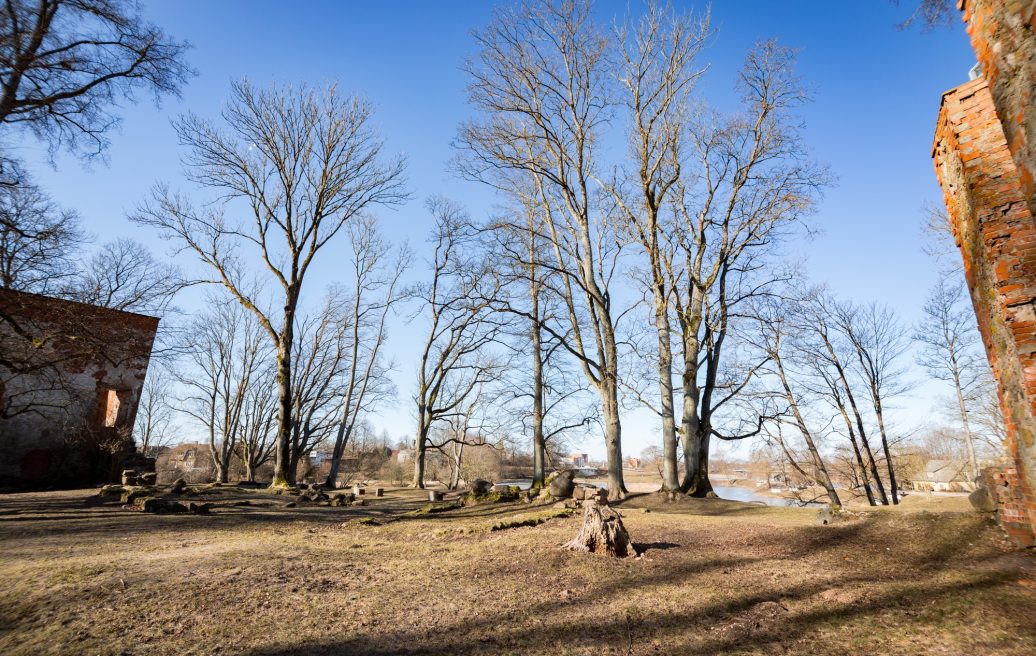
983	152
1001	33
1012	503
70	382
994	229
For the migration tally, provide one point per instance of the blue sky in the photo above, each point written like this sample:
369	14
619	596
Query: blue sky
877	91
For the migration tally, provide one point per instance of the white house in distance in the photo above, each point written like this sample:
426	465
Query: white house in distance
943	476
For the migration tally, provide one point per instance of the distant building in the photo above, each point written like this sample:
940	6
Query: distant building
943	476
70	383
578	460
632	463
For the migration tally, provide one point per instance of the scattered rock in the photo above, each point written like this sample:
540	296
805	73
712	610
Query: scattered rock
481	486
290	504
159	505
111	491
131	496
562	485
148	478
358	502
129	477
199	508
179	485
982	500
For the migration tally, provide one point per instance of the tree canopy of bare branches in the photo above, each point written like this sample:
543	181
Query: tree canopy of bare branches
290	168
65	64
39	241
456	361
541	86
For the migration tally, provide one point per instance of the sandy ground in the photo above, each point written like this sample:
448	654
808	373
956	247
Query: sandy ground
716	577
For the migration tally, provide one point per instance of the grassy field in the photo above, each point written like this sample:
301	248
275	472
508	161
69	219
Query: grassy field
716	577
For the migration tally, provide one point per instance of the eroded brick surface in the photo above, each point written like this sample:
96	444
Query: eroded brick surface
70	381
984	159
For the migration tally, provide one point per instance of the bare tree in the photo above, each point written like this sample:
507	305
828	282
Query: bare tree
374	291
879	343
155	412
454	362
258	422
296	166
65	64
657	74
951	352
39	241
545	397
774	332
225	355
124	275
320	355
830	355
755	182
541	85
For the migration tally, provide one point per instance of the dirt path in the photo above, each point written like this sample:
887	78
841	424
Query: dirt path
717	577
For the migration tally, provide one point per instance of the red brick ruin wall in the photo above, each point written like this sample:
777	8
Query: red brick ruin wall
78	357
985	164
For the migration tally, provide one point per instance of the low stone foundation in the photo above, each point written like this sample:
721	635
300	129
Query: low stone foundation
1014	504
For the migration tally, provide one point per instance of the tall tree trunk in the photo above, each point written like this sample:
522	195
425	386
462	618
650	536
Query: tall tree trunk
420	446
282	446
855	444
968	439
249	469
539	444
613	439
341	439
800	422
885	448
670	480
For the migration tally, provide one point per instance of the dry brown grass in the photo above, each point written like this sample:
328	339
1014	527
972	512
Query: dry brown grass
717	577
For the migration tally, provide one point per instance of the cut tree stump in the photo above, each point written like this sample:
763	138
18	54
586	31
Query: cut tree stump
602	532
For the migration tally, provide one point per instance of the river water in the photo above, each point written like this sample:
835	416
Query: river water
728	492
736	493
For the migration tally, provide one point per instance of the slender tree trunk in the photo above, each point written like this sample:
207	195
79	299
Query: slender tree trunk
885	448
861	430
670	480
420	445
282	446
341	439
856	448
863	471
800	422
965	424
539	444
613	439
249	469
458	455
689	434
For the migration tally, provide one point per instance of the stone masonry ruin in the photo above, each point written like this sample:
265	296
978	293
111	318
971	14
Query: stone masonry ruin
985	156
70	381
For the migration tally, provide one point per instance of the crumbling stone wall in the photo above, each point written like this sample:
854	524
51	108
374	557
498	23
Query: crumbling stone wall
1002	35
983	152
70	381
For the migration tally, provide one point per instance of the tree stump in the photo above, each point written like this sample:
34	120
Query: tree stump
602	532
